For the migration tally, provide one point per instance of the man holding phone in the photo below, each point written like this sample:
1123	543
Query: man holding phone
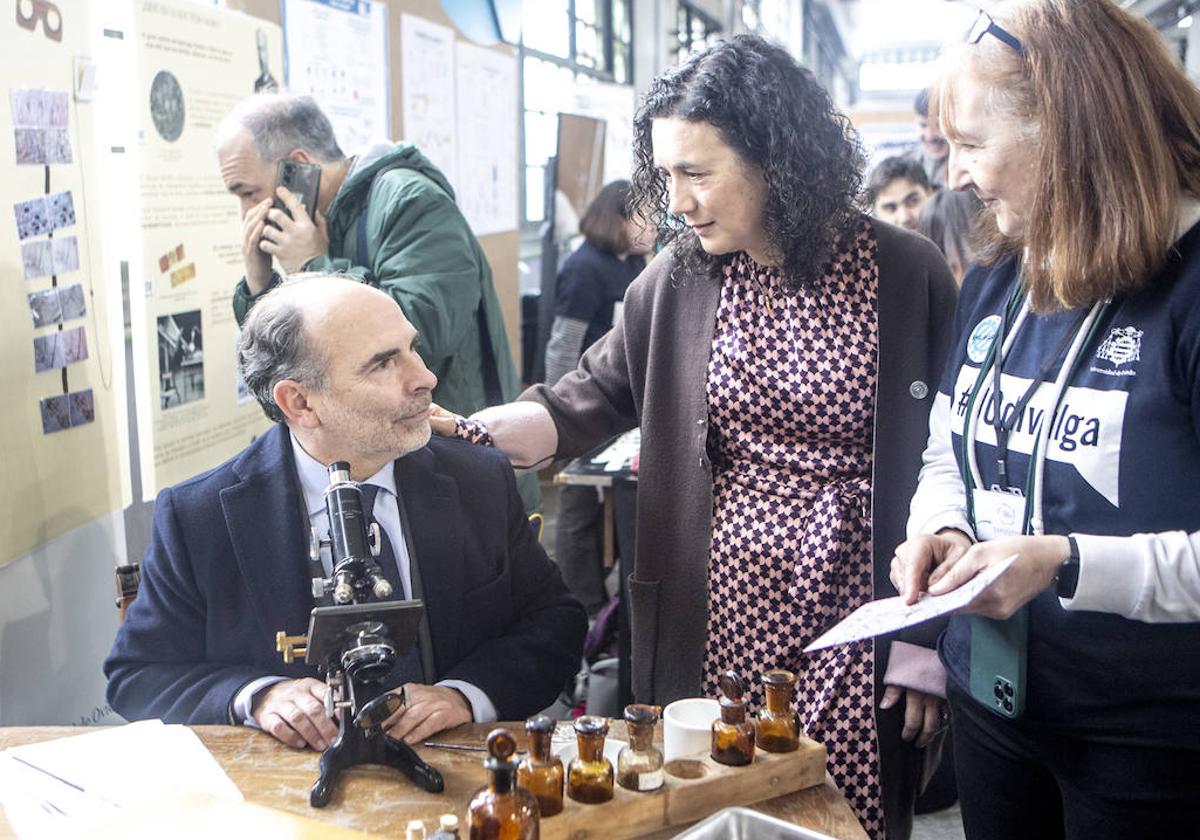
385	216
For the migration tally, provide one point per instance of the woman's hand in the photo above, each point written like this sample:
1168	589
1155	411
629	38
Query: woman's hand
924	714
441	421
915	559
1037	564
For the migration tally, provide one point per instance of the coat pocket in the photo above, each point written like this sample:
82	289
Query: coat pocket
643	628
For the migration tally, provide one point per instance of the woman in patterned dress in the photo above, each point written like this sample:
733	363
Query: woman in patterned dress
777	356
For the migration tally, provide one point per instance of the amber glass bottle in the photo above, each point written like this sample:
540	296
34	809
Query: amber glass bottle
732	735
640	765
541	773
777	728
502	810
590	774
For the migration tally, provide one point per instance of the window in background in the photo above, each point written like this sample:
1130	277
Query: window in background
563	40
694	30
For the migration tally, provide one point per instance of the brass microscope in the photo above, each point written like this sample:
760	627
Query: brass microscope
355	642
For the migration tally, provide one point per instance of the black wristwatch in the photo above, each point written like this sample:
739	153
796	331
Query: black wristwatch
1068	574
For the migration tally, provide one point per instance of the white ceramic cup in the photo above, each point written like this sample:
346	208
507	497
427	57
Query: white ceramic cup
687	726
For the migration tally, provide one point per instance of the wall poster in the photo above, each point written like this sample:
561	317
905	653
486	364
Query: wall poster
63	444
194	64
486	182
427	71
337	52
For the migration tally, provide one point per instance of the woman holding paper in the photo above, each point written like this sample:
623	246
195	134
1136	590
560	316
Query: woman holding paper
776	355
1067	431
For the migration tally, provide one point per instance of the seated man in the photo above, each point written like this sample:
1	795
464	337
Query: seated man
896	191
335	363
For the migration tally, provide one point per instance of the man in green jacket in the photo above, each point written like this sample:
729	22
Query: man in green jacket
385	216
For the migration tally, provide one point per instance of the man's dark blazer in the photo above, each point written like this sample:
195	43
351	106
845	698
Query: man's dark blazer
227	567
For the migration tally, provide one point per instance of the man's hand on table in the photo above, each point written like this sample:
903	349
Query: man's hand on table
430	709
294	712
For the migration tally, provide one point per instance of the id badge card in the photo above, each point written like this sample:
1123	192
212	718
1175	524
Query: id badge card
998	515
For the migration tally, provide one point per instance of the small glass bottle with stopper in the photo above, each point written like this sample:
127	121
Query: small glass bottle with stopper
640	765
502	810
541	773
777	729
447	828
590	774
732	735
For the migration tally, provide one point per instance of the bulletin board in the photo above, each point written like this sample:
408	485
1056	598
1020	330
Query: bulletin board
63	446
480	159
194	64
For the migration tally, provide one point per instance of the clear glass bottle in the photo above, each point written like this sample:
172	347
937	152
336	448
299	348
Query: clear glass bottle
502	810
447	828
732	735
541	773
777	729
640	765
415	830
590	774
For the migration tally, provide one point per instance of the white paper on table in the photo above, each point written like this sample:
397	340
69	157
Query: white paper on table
888	615
106	768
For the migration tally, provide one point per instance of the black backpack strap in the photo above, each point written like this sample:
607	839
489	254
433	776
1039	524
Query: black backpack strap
492	392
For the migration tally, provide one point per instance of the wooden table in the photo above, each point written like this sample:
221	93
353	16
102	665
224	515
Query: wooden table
379	801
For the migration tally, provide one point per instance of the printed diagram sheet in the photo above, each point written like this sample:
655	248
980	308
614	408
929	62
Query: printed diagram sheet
888	615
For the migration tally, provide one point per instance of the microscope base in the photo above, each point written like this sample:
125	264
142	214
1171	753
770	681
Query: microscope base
354	746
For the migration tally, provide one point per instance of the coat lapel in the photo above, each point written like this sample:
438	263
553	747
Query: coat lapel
433	516
270	541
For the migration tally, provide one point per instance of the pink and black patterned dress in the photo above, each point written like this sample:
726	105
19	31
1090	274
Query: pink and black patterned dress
791	386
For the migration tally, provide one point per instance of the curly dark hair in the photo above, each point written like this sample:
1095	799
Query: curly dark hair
775	115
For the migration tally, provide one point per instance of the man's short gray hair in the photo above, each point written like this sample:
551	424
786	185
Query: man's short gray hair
281	122
274	346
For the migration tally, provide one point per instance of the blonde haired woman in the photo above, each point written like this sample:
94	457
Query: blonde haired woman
1067	431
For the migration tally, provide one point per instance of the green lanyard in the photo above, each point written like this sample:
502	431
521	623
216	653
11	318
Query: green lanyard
1013	305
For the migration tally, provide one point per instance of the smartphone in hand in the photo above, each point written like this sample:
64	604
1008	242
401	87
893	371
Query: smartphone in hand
302	180
998	657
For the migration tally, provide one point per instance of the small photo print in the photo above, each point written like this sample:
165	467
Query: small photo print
65	254
75	347
46	308
56	414
28	107
49	352
182	275
83	407
58	145
31	145
180	359
57	108
61	209
38	259
33	217
71	302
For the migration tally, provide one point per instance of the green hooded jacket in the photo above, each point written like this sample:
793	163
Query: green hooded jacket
420	251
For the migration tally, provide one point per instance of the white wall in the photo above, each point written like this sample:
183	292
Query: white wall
57	622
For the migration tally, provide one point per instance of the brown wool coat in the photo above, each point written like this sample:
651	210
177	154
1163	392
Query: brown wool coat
651	369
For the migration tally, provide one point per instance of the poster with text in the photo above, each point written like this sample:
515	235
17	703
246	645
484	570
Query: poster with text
194	64
427	70
64	442
337	53
486	176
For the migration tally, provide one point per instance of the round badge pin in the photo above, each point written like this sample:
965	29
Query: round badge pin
982	337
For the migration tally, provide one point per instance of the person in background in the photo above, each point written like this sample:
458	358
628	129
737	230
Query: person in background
932	151
949	219
776	355
896	190
384	215
590	286
1066	431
